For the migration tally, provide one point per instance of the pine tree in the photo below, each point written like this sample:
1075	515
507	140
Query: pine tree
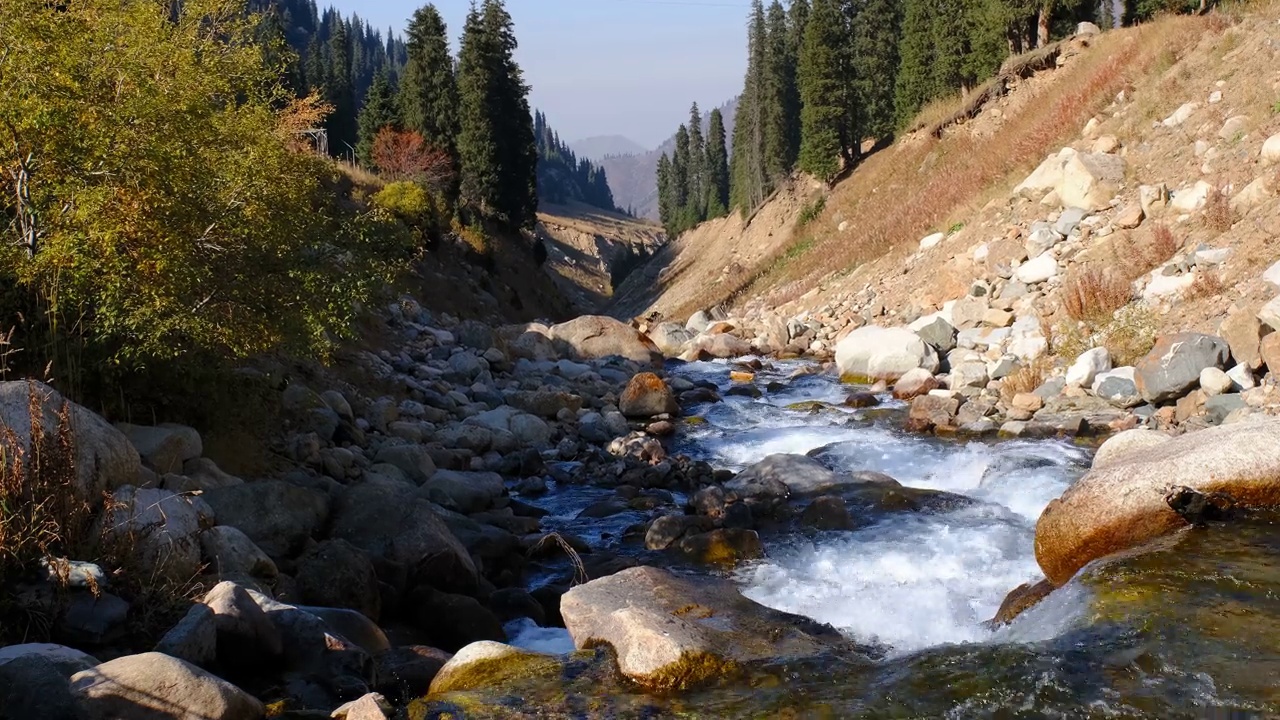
875	62
717	164
341	123
748	185
824	116
497	151
380	110
782	113
913	86
428	90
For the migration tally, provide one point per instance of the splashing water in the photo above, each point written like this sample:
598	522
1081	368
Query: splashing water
909	581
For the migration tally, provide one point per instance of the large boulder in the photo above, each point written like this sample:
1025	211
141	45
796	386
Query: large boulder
390	522
163	528
32	686
531	341
165	447
1173	367
230	552
464	492
1243	333
337	574
647	395
155	686
246	637
594	336
1121	444
671	338
1091	180
718	345
277	516
673	632
68	661
1122	504
798	474
877	353
104	457
486	663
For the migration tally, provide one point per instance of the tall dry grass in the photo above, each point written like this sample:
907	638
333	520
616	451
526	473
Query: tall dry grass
1093	295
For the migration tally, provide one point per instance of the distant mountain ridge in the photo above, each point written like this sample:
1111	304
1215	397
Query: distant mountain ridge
633	178
602	146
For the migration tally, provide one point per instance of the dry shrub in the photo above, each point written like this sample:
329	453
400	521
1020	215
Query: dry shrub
1218	215
1025	379
45	518
42	513
1129	336
1208	284
1140	255
1093	295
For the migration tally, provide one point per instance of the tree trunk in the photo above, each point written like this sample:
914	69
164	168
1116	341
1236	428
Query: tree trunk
1042	23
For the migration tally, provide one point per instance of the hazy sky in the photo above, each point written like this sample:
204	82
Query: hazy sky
610	67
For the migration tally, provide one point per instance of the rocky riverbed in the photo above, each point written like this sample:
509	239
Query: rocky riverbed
554	521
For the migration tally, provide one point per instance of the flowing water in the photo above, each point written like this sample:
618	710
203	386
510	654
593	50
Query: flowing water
1190	630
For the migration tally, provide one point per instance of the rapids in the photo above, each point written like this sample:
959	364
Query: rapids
1143	637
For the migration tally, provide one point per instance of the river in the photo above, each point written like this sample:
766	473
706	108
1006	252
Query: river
1189	628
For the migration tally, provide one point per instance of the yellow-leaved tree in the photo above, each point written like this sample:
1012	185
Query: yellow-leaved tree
154	199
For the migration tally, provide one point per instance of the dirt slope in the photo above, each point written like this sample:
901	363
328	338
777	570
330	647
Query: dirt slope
590	251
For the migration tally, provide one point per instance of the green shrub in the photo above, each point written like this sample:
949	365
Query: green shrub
411	203
811	211
166	206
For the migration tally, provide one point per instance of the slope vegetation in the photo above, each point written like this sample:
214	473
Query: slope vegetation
872	220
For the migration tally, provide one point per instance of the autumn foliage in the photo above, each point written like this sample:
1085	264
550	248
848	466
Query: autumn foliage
404	155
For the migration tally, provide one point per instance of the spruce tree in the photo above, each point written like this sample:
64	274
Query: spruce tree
824	117
680	178
379	111
914	81
695	172
950	32
782	105
428	90
513	119
717	164
748	184
875	62
497	151
666	195
341	122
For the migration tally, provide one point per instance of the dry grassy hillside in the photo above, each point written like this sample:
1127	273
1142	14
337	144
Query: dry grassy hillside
868	232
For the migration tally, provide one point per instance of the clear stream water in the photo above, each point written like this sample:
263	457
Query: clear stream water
1190	630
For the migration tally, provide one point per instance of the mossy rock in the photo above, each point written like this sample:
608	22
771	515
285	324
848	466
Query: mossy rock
695	420
493	680
488	664
724	548
810	406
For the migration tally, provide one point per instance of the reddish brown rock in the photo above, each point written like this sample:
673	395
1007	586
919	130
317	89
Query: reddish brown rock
914	384
646	396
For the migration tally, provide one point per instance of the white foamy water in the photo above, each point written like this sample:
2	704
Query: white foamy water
910	581
525	633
